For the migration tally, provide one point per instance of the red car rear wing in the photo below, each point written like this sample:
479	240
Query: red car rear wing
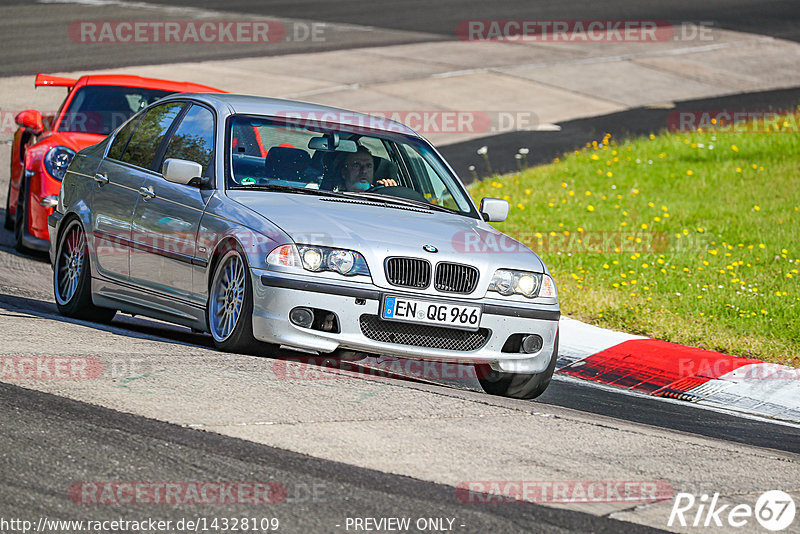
56	81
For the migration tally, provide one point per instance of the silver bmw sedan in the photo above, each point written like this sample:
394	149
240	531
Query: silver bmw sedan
269	222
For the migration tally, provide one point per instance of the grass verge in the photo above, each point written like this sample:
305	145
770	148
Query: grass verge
687	237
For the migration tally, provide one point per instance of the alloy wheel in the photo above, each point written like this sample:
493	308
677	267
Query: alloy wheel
227	296
69	264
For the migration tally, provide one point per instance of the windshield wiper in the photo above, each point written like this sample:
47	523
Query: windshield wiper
395	201
398	201
286	189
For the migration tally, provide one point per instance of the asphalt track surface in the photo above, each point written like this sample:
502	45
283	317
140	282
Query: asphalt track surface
564	392
546	145
776	18
48	441
33	42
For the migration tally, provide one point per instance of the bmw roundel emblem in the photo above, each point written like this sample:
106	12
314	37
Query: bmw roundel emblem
430	248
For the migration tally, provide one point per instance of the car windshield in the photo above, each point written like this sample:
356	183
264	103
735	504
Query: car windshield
304	157
100	109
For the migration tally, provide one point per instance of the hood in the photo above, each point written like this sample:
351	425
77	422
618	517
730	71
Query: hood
378	231
75	141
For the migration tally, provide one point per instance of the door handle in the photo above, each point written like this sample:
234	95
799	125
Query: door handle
147	192
101	178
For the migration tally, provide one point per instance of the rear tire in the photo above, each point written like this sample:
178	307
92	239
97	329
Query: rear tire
230	305
517	385
72	277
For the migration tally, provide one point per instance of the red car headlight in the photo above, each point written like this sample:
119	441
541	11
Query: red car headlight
57	160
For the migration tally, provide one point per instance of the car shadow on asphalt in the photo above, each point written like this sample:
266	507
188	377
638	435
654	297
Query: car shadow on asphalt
152	330
7	243
149	329
124	325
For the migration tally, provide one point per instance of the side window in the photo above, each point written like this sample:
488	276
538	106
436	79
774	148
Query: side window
436	186
146	139
121	140
193	140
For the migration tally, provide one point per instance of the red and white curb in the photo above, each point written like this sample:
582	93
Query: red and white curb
664	369
646	366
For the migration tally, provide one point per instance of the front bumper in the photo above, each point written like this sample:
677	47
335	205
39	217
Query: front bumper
33	238
276	294
53	222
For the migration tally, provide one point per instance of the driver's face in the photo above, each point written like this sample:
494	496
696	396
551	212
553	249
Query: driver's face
358	169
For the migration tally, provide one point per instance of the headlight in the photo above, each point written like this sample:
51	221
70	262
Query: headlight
312	259
341	261
57	160
318	259
509	282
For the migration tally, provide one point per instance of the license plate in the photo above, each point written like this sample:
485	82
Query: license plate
462	316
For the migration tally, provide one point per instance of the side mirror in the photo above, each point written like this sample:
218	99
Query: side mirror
181	171
494	209
31	120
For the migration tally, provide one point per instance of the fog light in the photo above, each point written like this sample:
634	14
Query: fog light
301	317
531	344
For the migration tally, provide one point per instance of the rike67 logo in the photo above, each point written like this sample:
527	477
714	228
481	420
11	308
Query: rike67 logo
774	510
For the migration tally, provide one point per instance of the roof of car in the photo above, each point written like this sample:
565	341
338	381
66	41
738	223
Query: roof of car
259	105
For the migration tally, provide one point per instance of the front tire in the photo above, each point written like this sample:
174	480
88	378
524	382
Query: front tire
21	219
8	224
517	385
72	285
230	305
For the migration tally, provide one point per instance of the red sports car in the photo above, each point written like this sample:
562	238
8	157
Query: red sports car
44	145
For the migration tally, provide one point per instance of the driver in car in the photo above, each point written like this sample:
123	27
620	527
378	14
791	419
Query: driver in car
357	171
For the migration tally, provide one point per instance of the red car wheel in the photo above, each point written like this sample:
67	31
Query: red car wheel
21	219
